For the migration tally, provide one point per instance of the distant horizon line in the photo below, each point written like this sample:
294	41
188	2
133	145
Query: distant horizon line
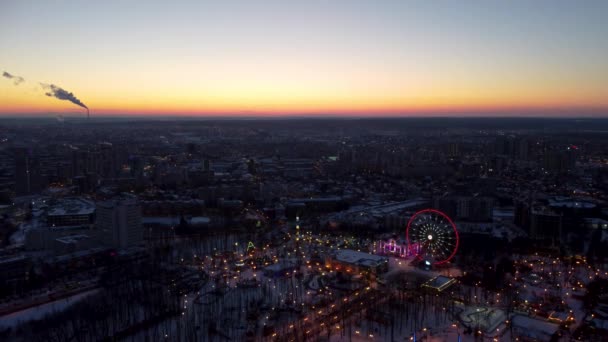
95	117
539	112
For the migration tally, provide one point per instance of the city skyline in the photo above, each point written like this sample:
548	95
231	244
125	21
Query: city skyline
306	59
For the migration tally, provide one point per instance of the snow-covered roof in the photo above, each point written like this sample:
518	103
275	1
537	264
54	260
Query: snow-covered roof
534	326
570	203
174	221
359	258
72	206
72	238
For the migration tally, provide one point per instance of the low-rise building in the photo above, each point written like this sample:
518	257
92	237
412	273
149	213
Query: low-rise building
351	261
439	283
71	212
14	269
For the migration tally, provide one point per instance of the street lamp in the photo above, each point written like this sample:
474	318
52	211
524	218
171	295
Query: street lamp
457	330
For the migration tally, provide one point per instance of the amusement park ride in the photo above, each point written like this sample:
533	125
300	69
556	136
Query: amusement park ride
431	238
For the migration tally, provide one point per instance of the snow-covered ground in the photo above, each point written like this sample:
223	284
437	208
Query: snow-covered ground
38	312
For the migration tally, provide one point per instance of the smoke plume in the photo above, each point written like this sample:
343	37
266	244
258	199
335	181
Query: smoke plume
16	79
61	94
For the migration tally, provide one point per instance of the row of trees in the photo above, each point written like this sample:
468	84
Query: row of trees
128	301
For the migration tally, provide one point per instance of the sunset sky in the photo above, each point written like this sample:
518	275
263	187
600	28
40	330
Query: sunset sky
306	57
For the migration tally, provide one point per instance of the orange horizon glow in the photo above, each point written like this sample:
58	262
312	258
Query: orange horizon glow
269	100
438	112
383	58
356	107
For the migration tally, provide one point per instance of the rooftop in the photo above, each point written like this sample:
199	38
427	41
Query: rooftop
316	199
565	202
359	258
72	238
439	283
534	325
281	266
174	221
72	206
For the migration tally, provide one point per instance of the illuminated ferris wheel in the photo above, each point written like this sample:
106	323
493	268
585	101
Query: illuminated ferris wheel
432	237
